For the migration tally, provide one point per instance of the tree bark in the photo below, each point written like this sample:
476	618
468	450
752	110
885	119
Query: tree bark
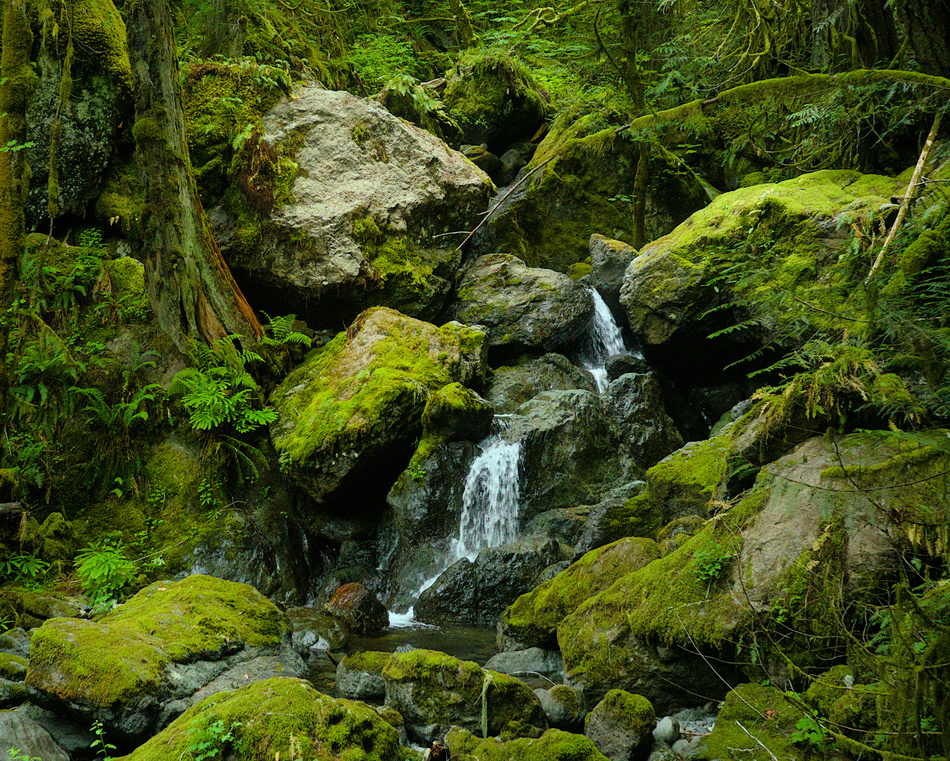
190	286
927	23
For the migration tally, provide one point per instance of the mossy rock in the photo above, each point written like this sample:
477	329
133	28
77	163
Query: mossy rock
431	690
113	669
456	413
687	482
533	618
359	675
273	718
127	281
553	745
621	724
355	405
13	667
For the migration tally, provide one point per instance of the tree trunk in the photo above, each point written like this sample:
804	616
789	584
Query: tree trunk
190	286
928	28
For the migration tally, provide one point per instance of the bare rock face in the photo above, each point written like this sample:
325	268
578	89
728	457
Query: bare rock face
356	199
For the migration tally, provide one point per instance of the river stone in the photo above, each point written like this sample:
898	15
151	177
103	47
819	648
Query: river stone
513	385
667	730
672	288
358	608
620	725
434	691
274	715
571	451
477	592
368	195
316	630
164	644
564	524
15	641
522	308
533	618
635	405
621	364
359	675
347	417
564	707
32	741
534	660
609	259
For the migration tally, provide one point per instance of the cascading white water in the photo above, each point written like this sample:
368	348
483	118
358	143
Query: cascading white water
489	500
604	340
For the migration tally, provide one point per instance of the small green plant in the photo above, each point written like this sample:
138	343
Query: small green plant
100	744
810	734
103	570
210	742
23	567
711	563
18	755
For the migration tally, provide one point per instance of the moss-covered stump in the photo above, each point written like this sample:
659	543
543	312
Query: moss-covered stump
494	100
786	238
434	691
522	308
553	745
584	184
348	415
811	521
275	718
340	206
621	725
164	644
74	130
533	618
757	722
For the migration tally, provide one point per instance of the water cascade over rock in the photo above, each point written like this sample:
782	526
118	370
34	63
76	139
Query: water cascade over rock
605	340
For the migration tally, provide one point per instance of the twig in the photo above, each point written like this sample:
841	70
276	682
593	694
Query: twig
908	196
739	724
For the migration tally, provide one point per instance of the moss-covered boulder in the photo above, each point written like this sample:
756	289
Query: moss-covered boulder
533	618
434	691
553	745
456	413
12	673
359	675
275	718
564	707
145	659
348	415
785	238
494	100
621	725
522	308
340	206
83	95
794	537
523	378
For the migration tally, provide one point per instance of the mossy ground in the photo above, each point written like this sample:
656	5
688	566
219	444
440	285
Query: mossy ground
553	745
276	718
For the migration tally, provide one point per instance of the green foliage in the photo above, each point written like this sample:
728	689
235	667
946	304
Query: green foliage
101	744
377	58
809	733
23	567
212	740
281	346
711	563
103	569
17	755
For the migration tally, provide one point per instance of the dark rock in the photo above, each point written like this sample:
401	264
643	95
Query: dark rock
359	676
316	630
564	524
620	726
621	364
521	308
485	160
564	707
513	160
608	262
456	413
616	516
358	608
635	405
513	385
17	730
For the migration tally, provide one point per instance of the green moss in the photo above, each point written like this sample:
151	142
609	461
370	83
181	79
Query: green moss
634	712
13	667
689	479
267	717
96	25
371	661
534	617
553	745
126	653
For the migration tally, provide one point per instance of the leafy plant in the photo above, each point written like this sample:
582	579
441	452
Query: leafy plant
103	569
100	744
18	755
711	563
209	742
809	733
23	567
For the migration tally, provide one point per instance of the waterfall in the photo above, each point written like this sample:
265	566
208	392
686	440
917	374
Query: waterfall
489	500
604	340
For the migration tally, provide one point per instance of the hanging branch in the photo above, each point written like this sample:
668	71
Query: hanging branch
908	196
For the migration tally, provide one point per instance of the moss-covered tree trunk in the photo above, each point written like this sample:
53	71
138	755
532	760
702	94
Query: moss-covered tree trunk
18	83
927	23
190	286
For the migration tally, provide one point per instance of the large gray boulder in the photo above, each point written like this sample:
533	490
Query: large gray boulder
360	199
522	308
348	416
18	731
523	379
635	405
571	451
609	260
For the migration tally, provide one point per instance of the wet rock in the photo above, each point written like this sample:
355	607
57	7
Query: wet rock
520	307
15	641
565	524
359	675
635	405
434	691
163	645
621	364
609	259
564	707
485	160
348	415
274	714
367	194
620	725
516	383
513	161
29	738
667	730
316	630
358	608
571	451
534	660
534	617
456	413
477	592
